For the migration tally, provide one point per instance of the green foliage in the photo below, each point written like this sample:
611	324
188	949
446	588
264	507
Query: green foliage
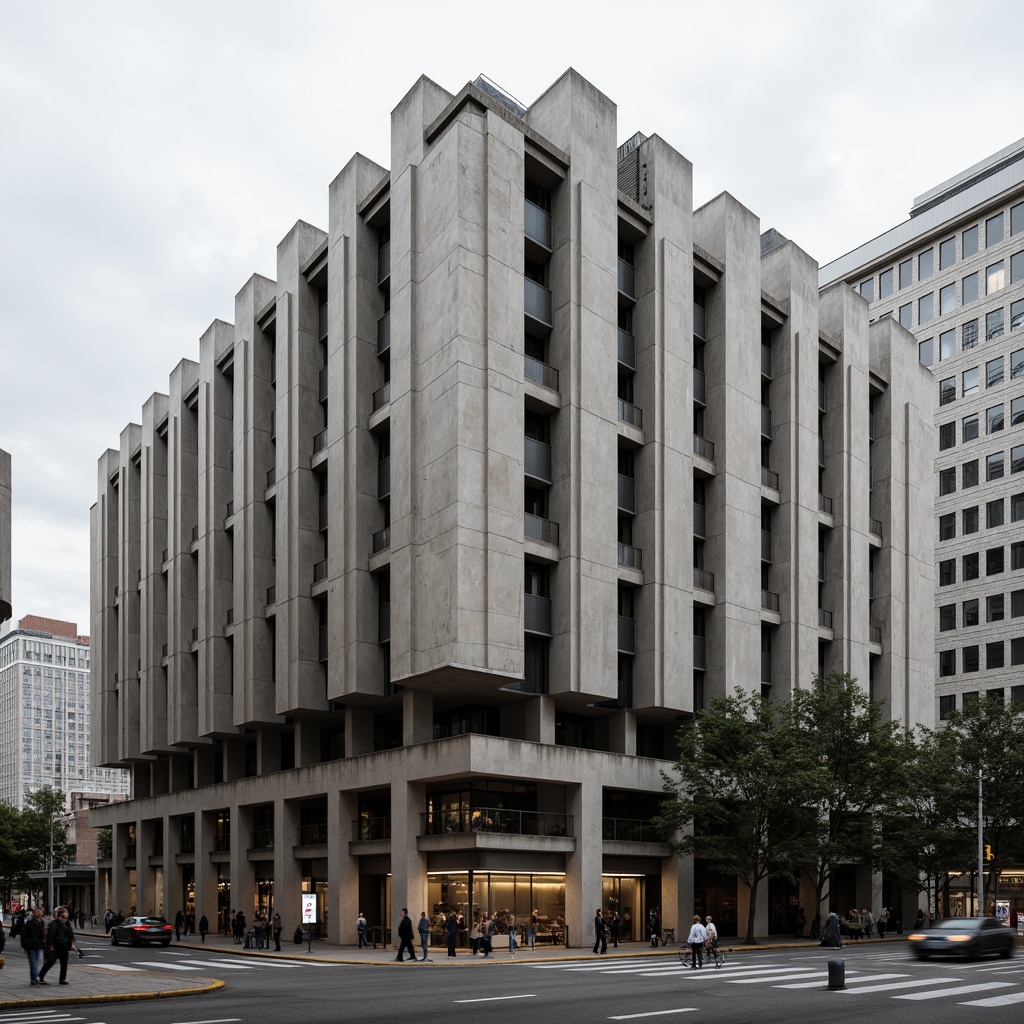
740	784
25	839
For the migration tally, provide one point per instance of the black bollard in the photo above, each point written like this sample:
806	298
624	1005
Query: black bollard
837	974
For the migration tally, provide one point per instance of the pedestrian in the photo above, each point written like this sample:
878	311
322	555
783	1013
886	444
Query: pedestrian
424	929
615	927
108	920
696	939
512	944
451	926
277	928
361	930
798	924
204	927
712	930
239	928
830	932
883	921
179	923
816	926
405	936
869	922
485	935
33	940
654	925
259	930
474	937
60	940
531	932
919	920
190	921
600	933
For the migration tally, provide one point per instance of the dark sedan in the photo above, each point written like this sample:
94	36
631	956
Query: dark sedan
137	931
963	936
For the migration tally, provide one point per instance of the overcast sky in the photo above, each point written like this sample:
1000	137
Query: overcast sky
153	154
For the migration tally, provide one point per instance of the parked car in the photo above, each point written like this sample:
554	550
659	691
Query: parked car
963	936
138	930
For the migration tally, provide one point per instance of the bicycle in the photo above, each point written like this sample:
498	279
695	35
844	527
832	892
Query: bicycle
713	956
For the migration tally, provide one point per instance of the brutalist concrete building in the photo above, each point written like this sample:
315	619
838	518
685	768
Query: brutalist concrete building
954	275
402	591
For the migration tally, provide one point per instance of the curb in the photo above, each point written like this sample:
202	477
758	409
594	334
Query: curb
118	997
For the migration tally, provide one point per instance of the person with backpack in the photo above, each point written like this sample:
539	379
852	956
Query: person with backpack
60	940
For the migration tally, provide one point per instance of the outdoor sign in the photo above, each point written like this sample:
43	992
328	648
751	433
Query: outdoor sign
309	908
1003	911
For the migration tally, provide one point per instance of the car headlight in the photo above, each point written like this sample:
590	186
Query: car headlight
916	937
959	938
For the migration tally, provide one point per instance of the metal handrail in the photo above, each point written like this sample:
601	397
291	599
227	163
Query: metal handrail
539	528
629	413
629	830
824	504
496	819
382	539
368	829
704	580
769	601
630	557
769	478
313	835
703	447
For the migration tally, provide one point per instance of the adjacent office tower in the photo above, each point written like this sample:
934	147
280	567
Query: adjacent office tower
402	591
44	715
953	274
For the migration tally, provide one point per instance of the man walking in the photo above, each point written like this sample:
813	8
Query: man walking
361	930
696	939
600	932
204	927
33	936
405	936
276	922
424	929
60	940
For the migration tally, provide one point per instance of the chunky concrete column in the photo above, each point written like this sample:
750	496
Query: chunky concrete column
408	865
343	881
174	899
287	875
417	717
234	760
206	871
206	765
540	720
268	751
337	850
145	876
583	867
358	731
120	893
243	876
677	893
622	733
307	742
179	772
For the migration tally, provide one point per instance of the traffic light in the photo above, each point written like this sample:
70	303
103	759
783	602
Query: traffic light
989	855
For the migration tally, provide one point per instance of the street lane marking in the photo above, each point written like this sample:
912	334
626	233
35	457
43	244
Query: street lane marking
776	977
495	999
861	989
221	966
162	965
824	978
654	1013
1004	1000
218	1020
959	990
112	967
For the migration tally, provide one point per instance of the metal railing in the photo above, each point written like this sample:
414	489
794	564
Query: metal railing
369	829
321	384
536	224
824	504
703	447
769	478
629	413
382	396
824	619
704	580
627	349
229	509
195	534
626	830
230	616
766	362
537	301
769	601
537	614
272	476
875	526
626	634
875	634
766	422
313	835
384	262
158	848
222	843
320	441
540	373
382	540
187	844
384	333
700	387
626	279
626	494
320	570
104	852
700	653
539	528
272	594
496	819
262	839
129	851
700	321
630	557
537	459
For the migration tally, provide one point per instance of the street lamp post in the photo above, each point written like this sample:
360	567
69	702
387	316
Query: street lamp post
50	872
981	849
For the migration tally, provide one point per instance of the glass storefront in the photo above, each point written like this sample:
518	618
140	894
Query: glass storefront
314	881
623	894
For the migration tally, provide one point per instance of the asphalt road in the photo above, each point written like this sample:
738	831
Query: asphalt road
883	982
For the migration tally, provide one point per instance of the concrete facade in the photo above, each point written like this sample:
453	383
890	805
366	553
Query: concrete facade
5	536
401	592
953	274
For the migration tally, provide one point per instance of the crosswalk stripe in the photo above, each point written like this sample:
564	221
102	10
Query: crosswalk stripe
851	981
774	977
1006	999
655	1013
220	966
862	989
163	965
112	967
957	991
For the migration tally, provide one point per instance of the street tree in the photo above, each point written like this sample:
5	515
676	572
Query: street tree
738	793
859	759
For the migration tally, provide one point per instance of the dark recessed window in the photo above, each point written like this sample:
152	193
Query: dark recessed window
947	572
994	419
969	288
947	526
925	264
971	381
1017	651
994	230
926	351
885	284
994	324
994	561
994	372
969	474
970	612
971	566
969	430
994	513
969	242
970	519
906	315
1016	321
1017	458
1016	603
1017	411
994	466
1016	507
994	608
925	308
947	253
947	387
1017	555
947	480
947	663
972	658
947	618
969	335
947	436
947	705
995	657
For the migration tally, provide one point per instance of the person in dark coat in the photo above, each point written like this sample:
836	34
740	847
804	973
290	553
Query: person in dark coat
830	932
405	936
179	924
277	928
600	932
615	927
33	940
452	928
60	940
204	927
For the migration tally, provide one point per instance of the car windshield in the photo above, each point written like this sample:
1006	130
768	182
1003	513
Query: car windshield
150	920
957	923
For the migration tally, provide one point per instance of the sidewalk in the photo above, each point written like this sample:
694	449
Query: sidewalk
94	984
